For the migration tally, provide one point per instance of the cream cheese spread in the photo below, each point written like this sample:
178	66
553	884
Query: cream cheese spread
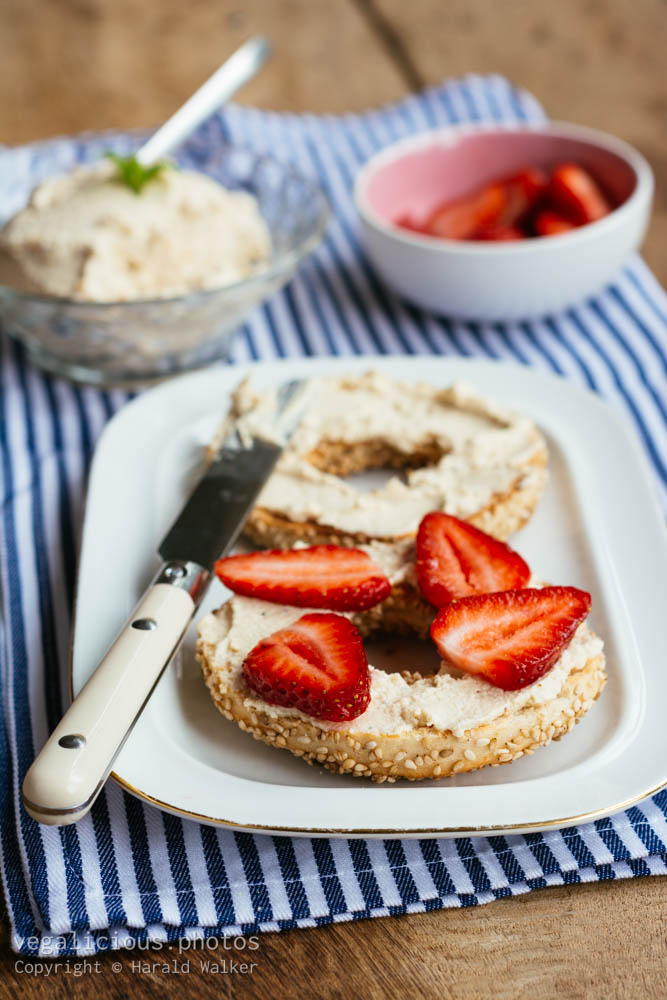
447	701
86	235
485	452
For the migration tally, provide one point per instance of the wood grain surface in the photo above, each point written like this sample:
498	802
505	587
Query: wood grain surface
71	65
580	942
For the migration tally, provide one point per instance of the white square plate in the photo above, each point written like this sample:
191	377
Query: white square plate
597	527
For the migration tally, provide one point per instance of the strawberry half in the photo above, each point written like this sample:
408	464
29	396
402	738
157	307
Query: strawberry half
322	576
500	234
548	223
460	219
524	190
455	559
576	194
512	638
317	665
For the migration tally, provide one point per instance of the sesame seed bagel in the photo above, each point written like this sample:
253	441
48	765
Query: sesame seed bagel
503	516
455	452
400	749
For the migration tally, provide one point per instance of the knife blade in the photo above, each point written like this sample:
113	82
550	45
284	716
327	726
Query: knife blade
70	770
229	487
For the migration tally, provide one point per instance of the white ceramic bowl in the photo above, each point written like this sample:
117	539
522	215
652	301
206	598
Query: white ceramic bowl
507	280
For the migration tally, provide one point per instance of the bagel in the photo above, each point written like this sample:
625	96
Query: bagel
457	453
415	726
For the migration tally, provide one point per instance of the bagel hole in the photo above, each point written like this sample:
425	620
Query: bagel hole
374	479
369	465
396	653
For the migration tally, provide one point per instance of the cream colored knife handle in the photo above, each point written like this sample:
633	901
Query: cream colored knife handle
68	774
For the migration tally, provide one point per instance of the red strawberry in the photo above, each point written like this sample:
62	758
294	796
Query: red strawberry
496	207
576	194
512	638
460	220
498	234
524	190
455	559
317	665
548	223
323	576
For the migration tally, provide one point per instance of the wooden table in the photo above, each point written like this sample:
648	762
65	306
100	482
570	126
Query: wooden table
91	64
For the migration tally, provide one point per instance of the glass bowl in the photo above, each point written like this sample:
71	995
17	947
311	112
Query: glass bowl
125	343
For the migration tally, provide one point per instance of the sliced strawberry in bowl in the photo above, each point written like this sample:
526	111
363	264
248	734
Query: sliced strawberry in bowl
524	190
550	223
510	638
455	559
576	194
322	576
461	219
500	234
317	665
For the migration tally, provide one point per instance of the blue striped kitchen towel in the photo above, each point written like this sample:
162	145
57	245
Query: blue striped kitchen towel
130	873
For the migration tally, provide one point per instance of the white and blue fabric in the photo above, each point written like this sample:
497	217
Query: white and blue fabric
130	873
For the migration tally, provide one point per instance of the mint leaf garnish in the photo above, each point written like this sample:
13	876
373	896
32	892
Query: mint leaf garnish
133	174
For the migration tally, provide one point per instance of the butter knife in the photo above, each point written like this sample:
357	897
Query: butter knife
69	772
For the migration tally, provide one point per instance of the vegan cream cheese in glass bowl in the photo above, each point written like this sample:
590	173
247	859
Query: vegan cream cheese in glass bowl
88	235
116	274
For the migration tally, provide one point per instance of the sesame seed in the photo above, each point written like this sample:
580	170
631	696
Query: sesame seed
484	742
419	761
410	764
359	767
281	741
372	745
470	754
458	766
378	753
348	764
437	770
401	755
